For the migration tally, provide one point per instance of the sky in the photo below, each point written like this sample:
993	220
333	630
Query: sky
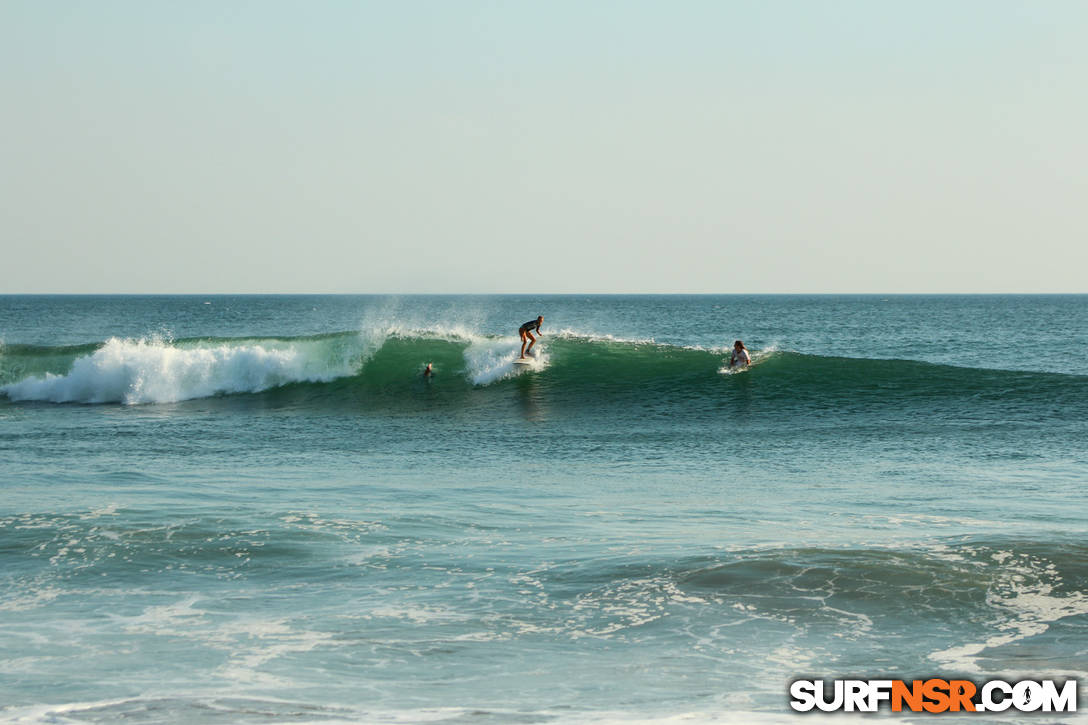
462	146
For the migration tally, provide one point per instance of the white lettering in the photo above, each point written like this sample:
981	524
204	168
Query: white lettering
1063	701
836	701
879	690
1027	696
803	693
855	697
989	704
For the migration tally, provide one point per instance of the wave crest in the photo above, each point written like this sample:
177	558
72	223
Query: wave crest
387	361
155	371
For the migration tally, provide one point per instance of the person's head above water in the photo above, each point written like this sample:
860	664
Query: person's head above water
738	345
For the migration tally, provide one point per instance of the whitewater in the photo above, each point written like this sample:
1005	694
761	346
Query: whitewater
258	510
157	370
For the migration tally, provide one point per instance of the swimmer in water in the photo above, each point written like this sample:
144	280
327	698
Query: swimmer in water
526	335
740	355
427	371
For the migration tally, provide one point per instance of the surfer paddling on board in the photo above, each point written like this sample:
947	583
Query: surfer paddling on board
525	333
740	355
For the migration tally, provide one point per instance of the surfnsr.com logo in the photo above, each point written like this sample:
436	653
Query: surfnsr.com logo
933	695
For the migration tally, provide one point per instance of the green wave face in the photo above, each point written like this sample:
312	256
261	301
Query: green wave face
576	372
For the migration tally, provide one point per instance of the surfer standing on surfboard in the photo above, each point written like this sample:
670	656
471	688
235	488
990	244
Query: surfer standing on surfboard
525	333
740	355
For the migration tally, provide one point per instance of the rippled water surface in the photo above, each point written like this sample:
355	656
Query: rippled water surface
257	509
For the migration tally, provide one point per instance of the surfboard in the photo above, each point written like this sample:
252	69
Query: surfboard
524	361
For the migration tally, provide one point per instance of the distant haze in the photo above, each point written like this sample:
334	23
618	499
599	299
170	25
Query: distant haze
457	146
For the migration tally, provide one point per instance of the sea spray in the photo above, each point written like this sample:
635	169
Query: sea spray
158	371
491	360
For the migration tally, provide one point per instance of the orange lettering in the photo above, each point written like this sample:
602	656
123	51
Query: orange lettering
912	695
936	691
961	692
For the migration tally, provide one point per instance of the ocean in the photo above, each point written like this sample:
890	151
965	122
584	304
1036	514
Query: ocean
256	509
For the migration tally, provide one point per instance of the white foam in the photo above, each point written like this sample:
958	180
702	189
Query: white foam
29	600
1026	606
488	358
154	371
736	708
108	510
173	618
491	359
568	334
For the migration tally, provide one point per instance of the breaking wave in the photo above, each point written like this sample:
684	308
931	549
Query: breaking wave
593	369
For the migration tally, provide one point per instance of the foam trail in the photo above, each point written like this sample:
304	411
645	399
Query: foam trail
153	371
569	334
490	359
1026	603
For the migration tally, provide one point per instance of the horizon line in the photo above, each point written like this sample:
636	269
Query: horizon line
531	294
